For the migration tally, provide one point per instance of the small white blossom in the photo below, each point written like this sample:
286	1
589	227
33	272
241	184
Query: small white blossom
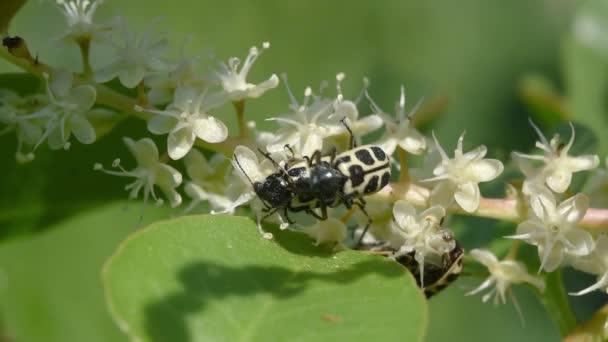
553	229
558	166
399	130
67	112
150	172
503	274
136	57
422	234
79	17
595	263
305	128
187	118
458	178
163	84
207	180
249	171
331	231
15	113
234	82
346	109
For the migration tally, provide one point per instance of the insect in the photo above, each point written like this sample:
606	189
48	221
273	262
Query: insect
321	182
436	277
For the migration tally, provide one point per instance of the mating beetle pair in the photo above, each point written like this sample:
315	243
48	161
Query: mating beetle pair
320	182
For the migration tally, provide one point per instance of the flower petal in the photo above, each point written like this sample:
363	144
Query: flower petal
581	242
61	83
486	170
467	196
167	177
413	142
553	257
443	194
83	97
574	208
180	142
247	164
144	151
82	129
312	142
197	166
108	72
261	88
131	75
404	213
559	180
161	124
580	163
485	257
210	129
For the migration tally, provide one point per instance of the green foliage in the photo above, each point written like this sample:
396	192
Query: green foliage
50	288
586	68
215	278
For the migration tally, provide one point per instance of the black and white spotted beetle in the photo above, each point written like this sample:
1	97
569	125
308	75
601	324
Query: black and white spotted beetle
319	182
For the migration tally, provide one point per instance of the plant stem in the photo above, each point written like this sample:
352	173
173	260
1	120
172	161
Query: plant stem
239	107
504	209
85	47
556	302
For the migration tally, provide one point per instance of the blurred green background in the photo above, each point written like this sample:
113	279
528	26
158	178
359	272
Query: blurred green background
472	53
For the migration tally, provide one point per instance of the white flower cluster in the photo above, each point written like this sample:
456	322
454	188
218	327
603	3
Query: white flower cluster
182	103
64	110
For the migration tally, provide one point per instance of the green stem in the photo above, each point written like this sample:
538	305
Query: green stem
239	107
556	302
85	48
404	176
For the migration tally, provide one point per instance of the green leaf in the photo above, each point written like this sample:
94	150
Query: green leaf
586	68
50	287
210	278
542	99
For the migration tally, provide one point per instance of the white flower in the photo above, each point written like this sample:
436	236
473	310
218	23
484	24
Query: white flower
79	17
137	56
558	165
422	234
331	230
208	180
148	173
249	171
67	112
187	118
459	177
305	128
595	263
553	229
348	109
15	113
381	227
234	82
503	274
399	130
163	84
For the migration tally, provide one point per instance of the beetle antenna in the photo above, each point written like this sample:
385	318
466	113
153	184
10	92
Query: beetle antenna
236	159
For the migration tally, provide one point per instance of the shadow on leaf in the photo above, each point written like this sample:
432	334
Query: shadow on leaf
166	319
